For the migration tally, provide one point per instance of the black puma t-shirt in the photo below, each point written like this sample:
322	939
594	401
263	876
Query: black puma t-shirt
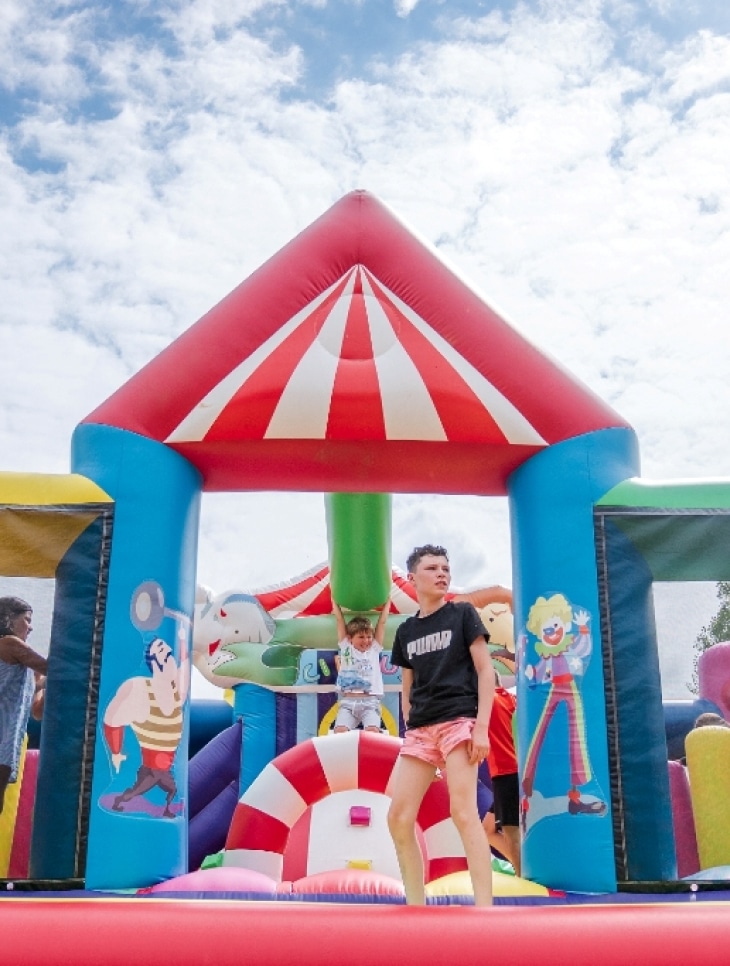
436	650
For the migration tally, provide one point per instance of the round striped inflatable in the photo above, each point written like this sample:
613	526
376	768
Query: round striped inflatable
307	773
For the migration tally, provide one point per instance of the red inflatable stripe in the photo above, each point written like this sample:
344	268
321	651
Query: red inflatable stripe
251	828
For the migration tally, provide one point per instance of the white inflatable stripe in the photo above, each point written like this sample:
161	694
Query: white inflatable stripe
295	605
443	840
274	795
304	405
402	602
516	428
339	757
199	420
270	863
408	409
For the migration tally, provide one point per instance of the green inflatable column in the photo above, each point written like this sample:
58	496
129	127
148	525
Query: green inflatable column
359	537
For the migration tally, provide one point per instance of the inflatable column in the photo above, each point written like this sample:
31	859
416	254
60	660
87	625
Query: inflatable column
562	748
359	538
138	787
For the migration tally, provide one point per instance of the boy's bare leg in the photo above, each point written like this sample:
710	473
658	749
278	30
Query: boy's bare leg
462	780
412	780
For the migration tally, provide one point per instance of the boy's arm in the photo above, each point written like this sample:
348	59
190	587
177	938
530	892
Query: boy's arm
405	697
341	628
382	621
485	699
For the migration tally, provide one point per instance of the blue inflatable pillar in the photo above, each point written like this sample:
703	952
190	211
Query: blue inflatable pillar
562	746
138	787
256	707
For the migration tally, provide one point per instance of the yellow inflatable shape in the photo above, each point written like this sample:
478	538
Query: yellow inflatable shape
328	721
459	884
708	764
42	515
49	489
9	814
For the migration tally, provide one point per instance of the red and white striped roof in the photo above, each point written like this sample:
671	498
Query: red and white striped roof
356	363
355	360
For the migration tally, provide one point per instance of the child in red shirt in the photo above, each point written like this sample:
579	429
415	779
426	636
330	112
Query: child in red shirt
502	823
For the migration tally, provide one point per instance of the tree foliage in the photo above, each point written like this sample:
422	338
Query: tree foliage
715	632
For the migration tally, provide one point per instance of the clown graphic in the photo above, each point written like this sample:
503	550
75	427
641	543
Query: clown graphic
563	657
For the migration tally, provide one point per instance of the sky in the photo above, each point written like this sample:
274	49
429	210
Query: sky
568	157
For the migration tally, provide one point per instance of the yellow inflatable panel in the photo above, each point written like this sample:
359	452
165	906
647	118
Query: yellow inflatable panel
708	763
459	884
44	489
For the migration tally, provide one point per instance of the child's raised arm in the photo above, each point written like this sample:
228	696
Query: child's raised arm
382	621
341	627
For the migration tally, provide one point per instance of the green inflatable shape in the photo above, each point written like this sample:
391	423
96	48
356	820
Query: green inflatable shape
359	529
320	633
269	666
682	495
276	663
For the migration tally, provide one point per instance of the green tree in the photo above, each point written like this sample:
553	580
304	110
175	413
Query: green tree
713	633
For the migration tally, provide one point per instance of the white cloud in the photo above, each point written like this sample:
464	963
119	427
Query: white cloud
581	186
404	8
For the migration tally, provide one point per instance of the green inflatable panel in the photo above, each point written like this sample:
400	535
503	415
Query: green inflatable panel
359	531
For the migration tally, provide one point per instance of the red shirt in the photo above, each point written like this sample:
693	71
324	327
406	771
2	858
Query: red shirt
502	759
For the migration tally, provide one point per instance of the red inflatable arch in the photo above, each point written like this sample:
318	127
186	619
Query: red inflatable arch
307	773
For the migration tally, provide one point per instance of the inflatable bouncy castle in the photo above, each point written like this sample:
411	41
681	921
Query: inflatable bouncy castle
357	364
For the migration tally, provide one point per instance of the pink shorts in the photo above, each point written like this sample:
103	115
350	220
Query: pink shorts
434	743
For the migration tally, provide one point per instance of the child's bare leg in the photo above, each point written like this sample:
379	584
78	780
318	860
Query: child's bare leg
412	779
513	843
506	841
462	779
493	836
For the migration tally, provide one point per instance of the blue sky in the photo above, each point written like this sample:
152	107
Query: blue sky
568	157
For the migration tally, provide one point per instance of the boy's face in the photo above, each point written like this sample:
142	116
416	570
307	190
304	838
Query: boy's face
362	640
432	577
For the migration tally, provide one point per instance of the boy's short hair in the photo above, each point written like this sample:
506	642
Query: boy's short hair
427	550
709	719
356	625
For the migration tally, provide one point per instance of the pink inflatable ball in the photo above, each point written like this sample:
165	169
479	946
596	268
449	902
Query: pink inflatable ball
221	879
713	674
361	882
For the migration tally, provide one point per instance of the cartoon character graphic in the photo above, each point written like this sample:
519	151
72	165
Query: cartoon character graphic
151	705
230	618
563	657
235	639
498	618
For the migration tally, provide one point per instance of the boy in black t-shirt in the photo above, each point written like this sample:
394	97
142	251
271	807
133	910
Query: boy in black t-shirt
448	689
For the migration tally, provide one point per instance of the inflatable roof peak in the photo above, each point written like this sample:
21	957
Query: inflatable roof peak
355	360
